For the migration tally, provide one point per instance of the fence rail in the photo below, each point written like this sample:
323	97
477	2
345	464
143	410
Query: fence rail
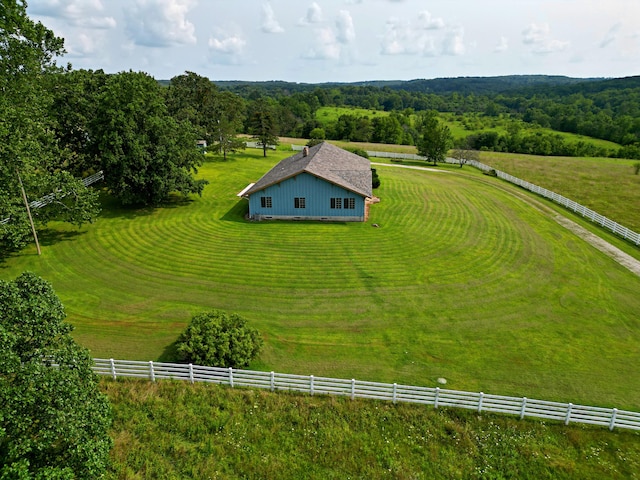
47	199
437	397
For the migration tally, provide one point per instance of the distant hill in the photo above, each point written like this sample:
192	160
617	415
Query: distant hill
512	84
463	85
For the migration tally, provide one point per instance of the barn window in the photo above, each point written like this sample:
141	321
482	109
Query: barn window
336	203
299	202
266	202
349	203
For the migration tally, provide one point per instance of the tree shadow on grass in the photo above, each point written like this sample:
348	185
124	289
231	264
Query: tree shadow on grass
46	238
169	354
112	208
50	237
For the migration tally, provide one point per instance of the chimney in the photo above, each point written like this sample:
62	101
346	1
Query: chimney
305	151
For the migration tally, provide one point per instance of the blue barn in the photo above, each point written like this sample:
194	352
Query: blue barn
323	182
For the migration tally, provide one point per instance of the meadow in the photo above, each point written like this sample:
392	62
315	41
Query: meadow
461	280
176	430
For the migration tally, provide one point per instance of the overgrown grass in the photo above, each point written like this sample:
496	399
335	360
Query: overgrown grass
462	280
605	185
175	430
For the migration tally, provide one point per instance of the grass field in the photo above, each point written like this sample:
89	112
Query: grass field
176	430
605	185
329	115
462	281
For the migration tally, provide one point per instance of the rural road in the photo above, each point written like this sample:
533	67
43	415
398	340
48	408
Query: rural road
605	247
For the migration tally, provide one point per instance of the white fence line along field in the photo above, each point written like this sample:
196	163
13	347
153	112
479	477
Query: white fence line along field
595	217
47	199
437	397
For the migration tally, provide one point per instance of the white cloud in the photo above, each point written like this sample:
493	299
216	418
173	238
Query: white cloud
226	46
502	46
454	42
79	13
314	15
346	32
541	41
160	23
413	38
269	22
426	21
334	43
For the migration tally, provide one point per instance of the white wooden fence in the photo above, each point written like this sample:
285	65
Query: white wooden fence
595	217
480	402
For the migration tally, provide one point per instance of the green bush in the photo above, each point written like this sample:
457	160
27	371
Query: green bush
375	179
218	339
358	151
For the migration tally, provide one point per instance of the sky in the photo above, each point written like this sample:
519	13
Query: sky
347	40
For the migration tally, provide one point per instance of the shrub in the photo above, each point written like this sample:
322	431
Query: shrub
218	339
375	179
359	151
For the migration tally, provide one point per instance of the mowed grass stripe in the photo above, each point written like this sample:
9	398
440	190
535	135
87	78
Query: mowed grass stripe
461	280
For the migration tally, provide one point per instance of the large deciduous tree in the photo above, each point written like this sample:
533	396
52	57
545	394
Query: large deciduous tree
435	139
146	153
217	114
53	419
29	153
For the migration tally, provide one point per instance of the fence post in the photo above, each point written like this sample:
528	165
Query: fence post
435	403
353	388
113	368
395	390
524	406
311	384
231	377
152	374
480	402
191	373
568	417
613	418
273	381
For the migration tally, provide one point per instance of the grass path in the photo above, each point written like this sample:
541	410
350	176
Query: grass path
462	280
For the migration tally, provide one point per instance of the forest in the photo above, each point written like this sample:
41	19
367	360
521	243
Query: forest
607	109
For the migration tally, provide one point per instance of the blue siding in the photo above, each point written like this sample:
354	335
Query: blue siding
317	194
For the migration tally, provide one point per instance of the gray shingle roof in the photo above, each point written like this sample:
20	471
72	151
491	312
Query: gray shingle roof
333	164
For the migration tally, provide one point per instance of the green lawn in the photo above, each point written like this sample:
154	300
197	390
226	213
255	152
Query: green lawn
462	280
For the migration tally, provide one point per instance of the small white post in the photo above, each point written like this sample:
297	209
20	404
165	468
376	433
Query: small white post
568	417
191	373
435	403
231	377
524	406
480	402
273	381
612	424
353	388
152	374
311	384
395	392
113	368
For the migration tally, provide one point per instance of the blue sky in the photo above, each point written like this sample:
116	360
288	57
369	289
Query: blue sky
348	40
